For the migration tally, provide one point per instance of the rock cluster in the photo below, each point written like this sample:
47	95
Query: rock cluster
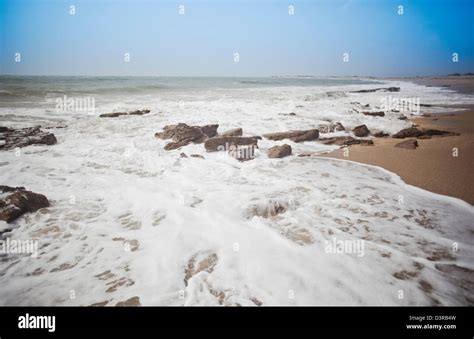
11	138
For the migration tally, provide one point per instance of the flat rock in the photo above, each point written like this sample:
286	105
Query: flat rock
16	201
279	151
346	141
361	131
414	132
381	135
22	137
408	144
296	136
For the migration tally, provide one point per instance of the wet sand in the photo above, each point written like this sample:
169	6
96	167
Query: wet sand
434	165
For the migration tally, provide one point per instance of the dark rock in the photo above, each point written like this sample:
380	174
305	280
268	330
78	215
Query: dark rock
381	135
361	131
386	89
183	155
236	132
296	136
112	115
411	132
408	144
138	112
19	202
279	151
346	141
402	117
226	143
197	156
374	114
23	137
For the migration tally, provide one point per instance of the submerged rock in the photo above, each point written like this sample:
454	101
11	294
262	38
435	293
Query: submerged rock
118	114
22	137
16	201
279	151
374	114
296	136
386	89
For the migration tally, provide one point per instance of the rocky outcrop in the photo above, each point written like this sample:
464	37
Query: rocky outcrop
236	132
16	201
296	136
361	131
226	143
11	138
408	144
118	114
346	141
279	151
182	134
329	128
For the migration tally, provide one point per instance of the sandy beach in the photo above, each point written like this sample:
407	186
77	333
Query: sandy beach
441	164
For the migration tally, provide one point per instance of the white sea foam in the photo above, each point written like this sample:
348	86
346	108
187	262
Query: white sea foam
127	217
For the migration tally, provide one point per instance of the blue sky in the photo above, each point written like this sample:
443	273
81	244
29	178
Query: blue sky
269	40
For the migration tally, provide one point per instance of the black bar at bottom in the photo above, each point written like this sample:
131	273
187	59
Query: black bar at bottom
73	320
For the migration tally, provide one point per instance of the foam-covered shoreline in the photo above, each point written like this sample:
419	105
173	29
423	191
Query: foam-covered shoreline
128	218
